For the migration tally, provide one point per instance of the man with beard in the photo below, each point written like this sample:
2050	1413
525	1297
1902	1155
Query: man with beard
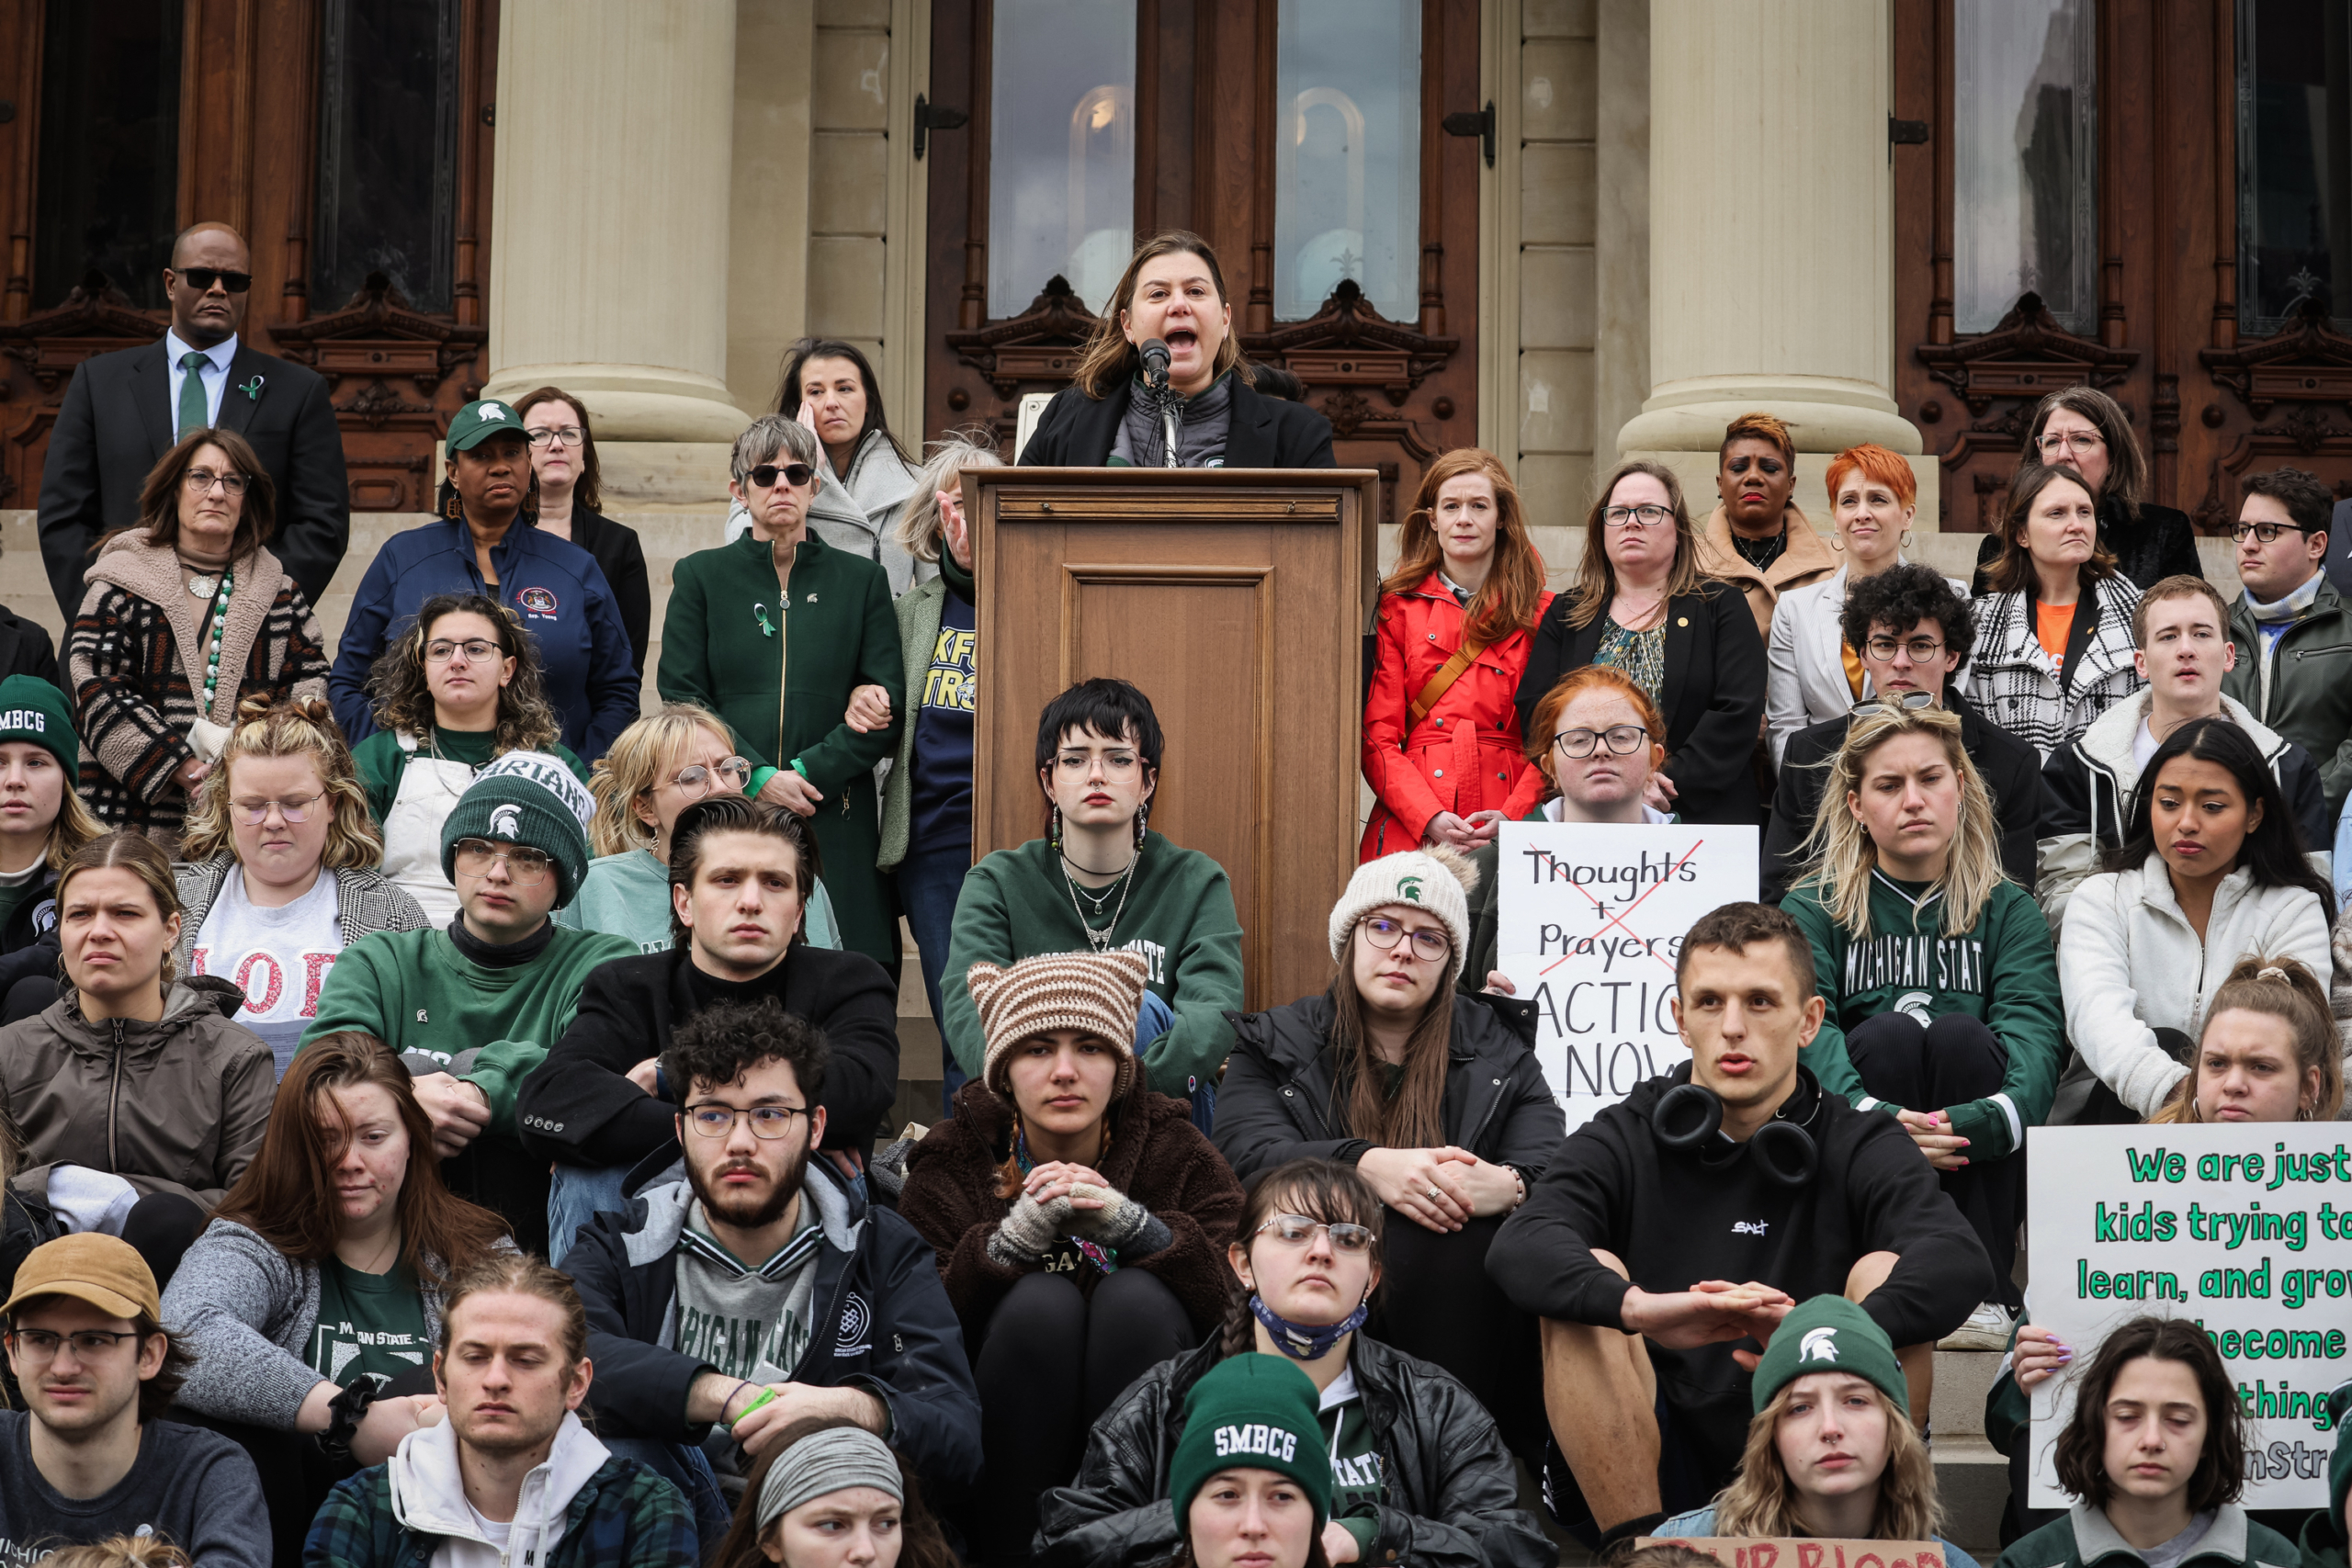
512	1476
762	1289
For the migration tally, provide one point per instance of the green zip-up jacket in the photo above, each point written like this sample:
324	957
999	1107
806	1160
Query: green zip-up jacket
2303	686
1179	914
416	992
2002	971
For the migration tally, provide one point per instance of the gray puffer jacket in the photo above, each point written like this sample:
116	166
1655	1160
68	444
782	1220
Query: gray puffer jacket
365	901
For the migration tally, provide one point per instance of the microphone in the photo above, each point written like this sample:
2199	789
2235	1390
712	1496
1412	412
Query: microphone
1155	364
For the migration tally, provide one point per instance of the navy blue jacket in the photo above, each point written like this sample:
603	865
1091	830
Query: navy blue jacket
882	1322
553	586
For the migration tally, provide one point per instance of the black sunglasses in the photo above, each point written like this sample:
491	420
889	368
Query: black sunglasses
795	474
201	278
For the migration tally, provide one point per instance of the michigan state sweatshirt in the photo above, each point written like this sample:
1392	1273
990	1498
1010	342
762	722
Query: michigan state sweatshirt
2002	970
1179	914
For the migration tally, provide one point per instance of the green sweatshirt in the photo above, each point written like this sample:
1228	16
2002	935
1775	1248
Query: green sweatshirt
380	759
1179	914
416	992
629	895
2003	971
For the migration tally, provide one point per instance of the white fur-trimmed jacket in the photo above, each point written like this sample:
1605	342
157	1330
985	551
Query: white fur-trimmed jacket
2014	682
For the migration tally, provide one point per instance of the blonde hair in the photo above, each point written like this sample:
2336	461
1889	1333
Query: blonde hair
1761	1501
1842	855
1596	582
919	526
121	1551
72	827
635	766
300	727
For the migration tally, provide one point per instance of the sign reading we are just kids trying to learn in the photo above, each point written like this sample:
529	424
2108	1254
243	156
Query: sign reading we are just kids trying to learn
1590	922
2244	1229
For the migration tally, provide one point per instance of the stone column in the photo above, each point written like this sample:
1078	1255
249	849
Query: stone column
1771	237
609	230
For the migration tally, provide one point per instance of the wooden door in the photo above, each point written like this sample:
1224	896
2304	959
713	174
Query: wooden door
1305	139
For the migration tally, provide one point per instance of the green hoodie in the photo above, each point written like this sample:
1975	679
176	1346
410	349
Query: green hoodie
416	992
1179	914
2002	971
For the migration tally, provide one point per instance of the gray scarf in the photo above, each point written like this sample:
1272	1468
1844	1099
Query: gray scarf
1198	424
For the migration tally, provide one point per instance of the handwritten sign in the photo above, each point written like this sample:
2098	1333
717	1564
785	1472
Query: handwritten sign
1805	1552
1588	925
2244	1230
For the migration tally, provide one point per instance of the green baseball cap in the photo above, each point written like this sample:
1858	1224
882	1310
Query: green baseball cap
478	421
1829	1334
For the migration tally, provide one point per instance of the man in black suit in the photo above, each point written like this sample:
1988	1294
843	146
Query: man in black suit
124	410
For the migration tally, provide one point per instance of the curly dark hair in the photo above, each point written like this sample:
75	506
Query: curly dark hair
2082	1447
397	688
1900	598
720	1045
2303	493
733	813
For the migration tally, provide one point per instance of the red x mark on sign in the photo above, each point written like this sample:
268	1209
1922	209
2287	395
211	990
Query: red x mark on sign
1619	920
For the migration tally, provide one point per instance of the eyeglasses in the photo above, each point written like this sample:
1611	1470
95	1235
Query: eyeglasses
440	650
254	813
1297	1230
1920	649
2265	532
698	779
202	278
769	1123
570	434
200	480
1894	702
527	866
1385	933
1638	516
2080	440
795	474
39	1346
1623	739
1075	762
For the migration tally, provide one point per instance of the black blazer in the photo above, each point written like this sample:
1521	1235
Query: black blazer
1077	431
1713	695
117	422
24	649
621	558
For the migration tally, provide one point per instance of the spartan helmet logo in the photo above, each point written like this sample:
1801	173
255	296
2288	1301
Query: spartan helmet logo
1409	887
1818	1345
1916	1005
507	822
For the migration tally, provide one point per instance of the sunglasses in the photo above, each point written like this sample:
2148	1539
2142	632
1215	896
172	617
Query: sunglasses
201	278
795	474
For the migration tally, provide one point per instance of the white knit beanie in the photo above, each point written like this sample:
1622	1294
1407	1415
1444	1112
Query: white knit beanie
1098	992
1436	880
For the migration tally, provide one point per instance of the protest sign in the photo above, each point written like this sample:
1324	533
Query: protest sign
1588	924
1806	1552
2246	1230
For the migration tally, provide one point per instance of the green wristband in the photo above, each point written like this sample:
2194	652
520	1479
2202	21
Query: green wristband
767	1395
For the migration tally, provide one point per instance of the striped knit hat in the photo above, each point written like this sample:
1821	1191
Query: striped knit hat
1098	992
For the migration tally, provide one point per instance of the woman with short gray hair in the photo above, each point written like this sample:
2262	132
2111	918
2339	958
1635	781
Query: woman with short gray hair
772	633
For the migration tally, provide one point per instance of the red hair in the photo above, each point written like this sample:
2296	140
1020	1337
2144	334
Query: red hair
1543	724
1759	427
1875	462
1507	600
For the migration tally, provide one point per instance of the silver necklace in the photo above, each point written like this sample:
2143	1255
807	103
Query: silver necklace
1100	941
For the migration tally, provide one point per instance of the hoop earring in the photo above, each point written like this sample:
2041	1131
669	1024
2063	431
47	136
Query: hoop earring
1838	543
1904	543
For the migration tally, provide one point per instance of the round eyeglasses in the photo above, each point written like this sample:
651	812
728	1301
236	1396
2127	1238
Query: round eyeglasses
1384	934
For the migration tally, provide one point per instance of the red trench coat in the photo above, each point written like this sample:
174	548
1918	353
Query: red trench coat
1468	754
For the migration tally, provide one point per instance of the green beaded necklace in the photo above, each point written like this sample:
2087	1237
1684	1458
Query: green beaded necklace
216	624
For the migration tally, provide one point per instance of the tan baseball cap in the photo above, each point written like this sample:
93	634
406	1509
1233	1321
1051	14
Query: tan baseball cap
103	1270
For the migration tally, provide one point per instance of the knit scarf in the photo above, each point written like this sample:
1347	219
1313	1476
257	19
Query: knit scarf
1308	1341
2289	608
1201	424
964	584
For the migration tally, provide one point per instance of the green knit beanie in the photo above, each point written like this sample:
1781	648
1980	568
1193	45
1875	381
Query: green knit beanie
524	798
1830	1333
1251	1412
31	709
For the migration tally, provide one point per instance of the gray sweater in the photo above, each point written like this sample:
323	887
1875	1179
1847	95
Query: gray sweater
245	1310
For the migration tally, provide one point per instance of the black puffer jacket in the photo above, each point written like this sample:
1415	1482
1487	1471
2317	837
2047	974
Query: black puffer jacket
1279	1100
1451	1500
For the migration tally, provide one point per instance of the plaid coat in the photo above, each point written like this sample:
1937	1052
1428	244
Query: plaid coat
625	1517
135	664
2044	701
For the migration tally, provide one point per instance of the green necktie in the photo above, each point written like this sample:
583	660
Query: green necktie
194	414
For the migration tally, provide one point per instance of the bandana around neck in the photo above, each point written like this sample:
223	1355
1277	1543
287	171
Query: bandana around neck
1308	1342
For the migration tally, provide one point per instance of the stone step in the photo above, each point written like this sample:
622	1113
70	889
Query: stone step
1963	1377
1973	1480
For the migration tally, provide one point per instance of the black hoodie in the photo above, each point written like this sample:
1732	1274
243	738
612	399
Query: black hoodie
1675	1219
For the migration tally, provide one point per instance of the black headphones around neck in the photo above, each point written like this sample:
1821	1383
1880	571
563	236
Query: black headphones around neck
1688	1116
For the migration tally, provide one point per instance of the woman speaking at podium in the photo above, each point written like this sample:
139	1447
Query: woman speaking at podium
1163	384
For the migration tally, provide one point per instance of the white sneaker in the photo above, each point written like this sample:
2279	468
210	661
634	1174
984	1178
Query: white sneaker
1987	1328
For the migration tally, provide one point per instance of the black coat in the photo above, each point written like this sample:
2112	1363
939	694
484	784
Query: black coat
28	942
2012	772
578	1107
1713	695
1077	431
25	649
117	422
1452	1500
2162	543
1278	1100
621	558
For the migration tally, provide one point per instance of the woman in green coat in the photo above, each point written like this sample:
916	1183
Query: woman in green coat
773	633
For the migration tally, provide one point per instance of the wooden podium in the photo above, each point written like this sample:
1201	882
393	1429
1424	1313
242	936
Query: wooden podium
1237	600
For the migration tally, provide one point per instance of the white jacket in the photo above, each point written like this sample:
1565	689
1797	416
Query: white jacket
1807	680
2128	964
429	1496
